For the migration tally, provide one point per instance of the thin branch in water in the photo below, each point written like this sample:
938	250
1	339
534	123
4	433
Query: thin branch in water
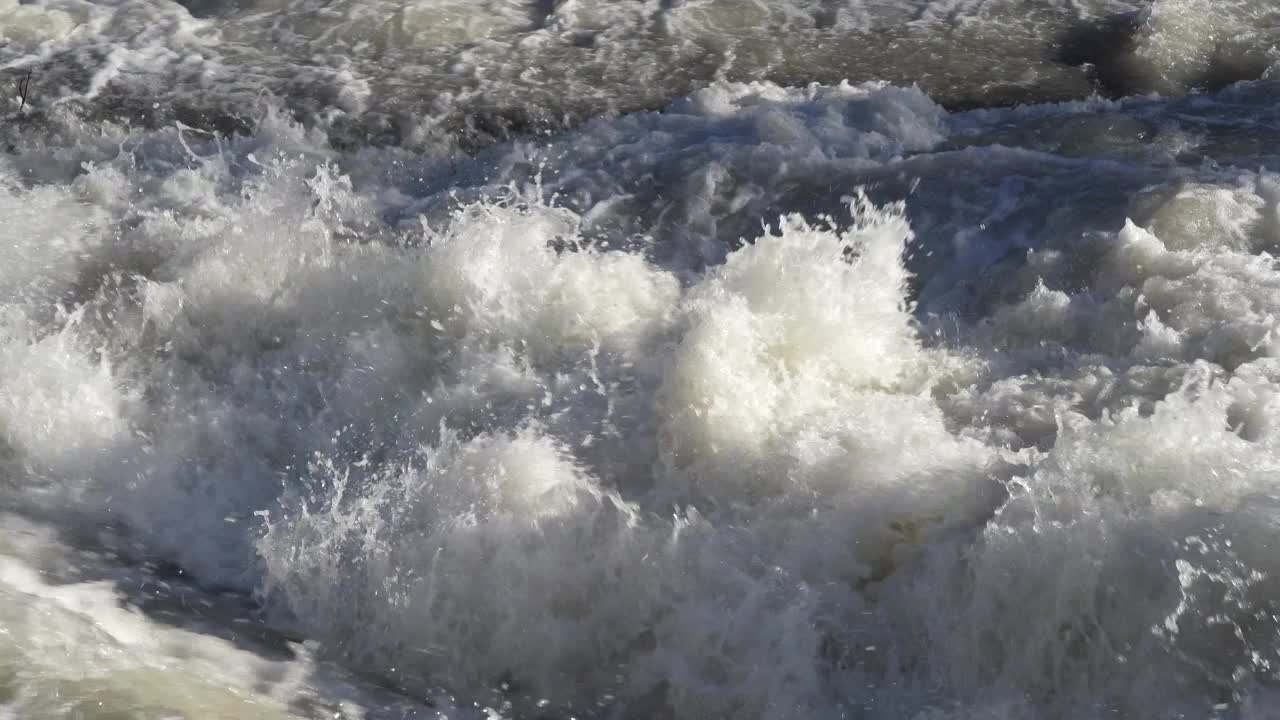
24	87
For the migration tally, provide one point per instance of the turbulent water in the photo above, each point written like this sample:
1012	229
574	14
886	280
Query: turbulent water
628	359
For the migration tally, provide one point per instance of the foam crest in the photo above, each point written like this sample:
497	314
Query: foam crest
1204	292
61	411
808	318
60	232
495	273
454	567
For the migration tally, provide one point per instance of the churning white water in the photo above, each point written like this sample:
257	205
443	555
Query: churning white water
631	359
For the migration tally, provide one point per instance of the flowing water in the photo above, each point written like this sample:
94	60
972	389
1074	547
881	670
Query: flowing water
627	359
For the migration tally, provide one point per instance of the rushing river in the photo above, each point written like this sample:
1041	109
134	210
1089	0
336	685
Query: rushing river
631	359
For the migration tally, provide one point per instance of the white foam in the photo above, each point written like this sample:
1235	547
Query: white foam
1185	43
626	441
1147	522
470	561
31	24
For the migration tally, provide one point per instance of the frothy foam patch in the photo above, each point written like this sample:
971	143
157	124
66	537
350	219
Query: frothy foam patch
470	560
1151	523
454	23
32	24
1195	280
55	234
496	274
72	649
1187	216
1213	306
61	412
1186	44
813	321
466	566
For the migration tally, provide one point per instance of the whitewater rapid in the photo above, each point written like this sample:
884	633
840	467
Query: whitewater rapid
620	360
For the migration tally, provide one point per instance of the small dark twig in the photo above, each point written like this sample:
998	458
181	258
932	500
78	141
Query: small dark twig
24	87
